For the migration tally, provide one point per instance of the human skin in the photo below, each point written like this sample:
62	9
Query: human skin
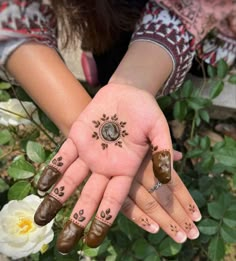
45	77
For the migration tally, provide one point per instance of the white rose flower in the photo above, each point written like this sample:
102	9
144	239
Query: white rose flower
20	236
18	115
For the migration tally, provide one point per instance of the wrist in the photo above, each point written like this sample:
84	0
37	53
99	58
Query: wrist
146	66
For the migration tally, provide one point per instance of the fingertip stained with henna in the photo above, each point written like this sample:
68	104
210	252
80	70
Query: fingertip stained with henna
162	166
47	210
69	237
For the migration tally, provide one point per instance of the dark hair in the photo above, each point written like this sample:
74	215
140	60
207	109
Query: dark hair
98	23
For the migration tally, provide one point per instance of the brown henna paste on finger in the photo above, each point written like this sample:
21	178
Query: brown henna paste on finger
99	229
69	237
48	178
109	130
47	210
97	233
162	166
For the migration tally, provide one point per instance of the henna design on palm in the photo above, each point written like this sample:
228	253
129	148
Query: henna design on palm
110	130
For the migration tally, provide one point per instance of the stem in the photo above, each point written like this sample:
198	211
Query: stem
193	126
7	153
33	121
14	113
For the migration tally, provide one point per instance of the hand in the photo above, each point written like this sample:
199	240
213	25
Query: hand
110	138
169	206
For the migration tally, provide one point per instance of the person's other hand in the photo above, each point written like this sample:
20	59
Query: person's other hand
110	138
170	206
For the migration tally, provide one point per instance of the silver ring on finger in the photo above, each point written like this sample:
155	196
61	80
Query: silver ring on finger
155	187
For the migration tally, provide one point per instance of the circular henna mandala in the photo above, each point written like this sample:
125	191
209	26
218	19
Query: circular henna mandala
110	129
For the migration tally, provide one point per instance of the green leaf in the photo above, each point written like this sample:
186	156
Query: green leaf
205	143
5	85
19	190
47	123
208	226
187	89
155	239
180	110
215	210
207	163
5	136
4	96
21	169
197	120
204	115
216	89
198	197
226	154
169	247
129	228
222	69
141	249
232	79
35	152
164	102
3	186
152	258
194	153
211	71
92	252
198	103
228	234
230	217
216	249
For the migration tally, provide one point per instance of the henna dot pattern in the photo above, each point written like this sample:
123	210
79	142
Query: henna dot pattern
188	226
145	222
109	130
174	228
191	208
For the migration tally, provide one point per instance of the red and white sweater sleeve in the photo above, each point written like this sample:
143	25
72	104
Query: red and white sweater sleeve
22	21
161	26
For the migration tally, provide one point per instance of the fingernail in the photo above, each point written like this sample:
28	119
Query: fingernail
197	216
97	233
180	237
69	237
193	233
162	166
49	177
153	228
41	193
47	210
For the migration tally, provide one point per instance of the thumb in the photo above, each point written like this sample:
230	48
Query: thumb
162	151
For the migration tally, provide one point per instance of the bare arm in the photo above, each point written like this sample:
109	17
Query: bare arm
44	76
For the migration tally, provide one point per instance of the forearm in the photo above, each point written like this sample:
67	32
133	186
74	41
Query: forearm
44	76
145	66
